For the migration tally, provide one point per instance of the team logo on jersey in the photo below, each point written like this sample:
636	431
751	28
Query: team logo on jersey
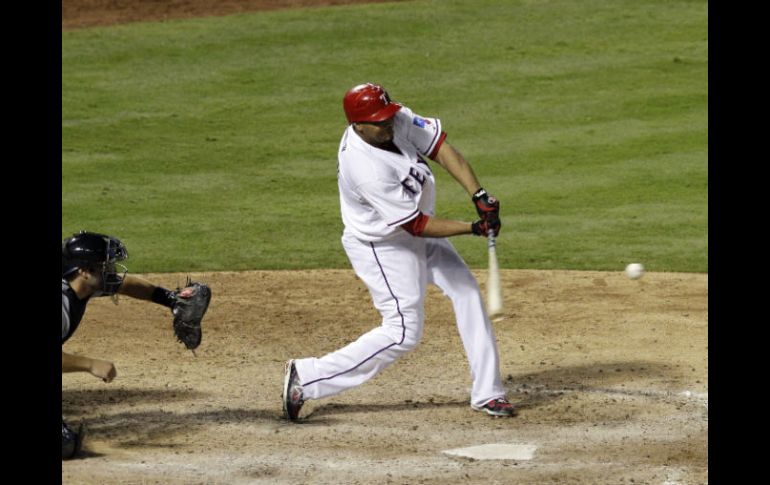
414	175
421	122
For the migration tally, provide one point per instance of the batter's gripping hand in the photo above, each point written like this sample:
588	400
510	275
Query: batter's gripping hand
486	204
191	303
482	226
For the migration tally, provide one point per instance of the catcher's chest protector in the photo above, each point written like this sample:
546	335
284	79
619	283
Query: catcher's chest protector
72	310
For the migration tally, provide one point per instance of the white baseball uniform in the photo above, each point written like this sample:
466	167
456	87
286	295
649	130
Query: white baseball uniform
379	191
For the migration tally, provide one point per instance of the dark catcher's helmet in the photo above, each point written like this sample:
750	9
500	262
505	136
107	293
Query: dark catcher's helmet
95	252
368	103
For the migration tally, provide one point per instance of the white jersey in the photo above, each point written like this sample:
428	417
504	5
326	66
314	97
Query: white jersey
379	189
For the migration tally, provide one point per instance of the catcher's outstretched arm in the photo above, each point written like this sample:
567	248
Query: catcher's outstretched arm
141	289
136	287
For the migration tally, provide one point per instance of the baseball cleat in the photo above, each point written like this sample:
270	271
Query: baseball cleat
497	407
292	392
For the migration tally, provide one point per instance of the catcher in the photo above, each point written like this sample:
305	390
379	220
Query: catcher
90	267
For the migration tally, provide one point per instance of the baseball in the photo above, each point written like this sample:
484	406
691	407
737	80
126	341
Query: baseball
634	271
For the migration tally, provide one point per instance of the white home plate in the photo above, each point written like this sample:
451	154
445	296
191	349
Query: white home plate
499	451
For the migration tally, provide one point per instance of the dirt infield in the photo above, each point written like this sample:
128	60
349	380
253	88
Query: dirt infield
610	376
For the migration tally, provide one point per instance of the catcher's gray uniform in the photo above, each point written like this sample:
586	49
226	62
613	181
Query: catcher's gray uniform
72	310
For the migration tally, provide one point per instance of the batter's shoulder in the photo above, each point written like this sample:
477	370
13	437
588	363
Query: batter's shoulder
408	118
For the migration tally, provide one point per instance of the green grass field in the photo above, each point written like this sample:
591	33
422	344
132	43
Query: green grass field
210	144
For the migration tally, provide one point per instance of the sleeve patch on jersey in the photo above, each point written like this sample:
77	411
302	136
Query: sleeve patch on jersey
421	122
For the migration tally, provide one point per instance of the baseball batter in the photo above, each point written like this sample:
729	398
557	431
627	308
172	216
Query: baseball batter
397	246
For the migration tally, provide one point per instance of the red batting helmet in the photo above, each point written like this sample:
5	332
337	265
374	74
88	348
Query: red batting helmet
368	103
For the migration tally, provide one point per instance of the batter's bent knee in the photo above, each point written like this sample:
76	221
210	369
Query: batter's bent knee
405	335
411	340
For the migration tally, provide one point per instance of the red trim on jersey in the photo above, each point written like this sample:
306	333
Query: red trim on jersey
434	153
416	226
398	222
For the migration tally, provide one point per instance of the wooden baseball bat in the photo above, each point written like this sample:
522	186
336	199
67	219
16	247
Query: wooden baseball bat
494	291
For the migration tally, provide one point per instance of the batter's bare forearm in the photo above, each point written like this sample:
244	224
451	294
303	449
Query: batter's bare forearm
458	167
438	227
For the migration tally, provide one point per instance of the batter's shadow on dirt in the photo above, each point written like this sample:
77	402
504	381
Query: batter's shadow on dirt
159	428
156	427
528	391
77	401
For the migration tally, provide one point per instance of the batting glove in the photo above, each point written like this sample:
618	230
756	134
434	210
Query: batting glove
485	204
482	226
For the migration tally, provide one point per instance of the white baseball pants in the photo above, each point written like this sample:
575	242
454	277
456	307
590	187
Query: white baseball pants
397	272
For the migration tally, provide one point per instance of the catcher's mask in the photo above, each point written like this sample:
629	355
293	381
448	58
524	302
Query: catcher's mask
95	252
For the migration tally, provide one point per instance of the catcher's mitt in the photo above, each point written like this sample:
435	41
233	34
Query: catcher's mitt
191	303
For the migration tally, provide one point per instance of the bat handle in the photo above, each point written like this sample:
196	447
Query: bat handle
491	239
